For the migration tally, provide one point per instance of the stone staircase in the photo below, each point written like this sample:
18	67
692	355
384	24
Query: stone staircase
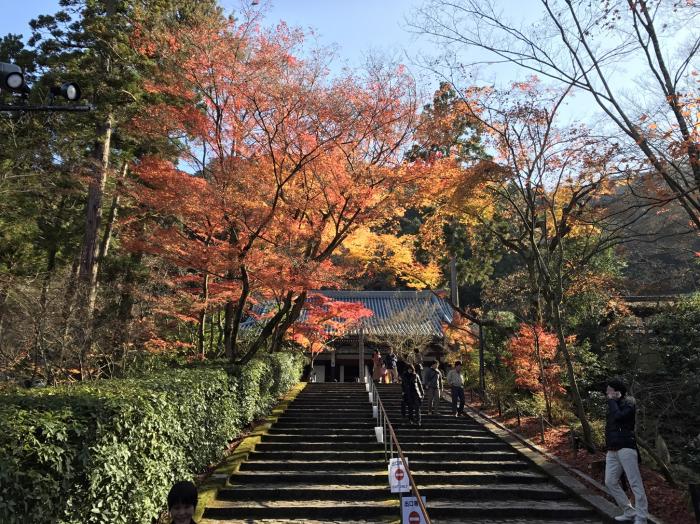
467	474
320	462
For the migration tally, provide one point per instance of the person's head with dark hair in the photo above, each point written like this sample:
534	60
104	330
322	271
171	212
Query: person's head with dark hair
615	386
410	368
435	364
458	364
182	501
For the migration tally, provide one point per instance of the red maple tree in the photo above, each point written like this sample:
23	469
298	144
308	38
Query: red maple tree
533	360
276	164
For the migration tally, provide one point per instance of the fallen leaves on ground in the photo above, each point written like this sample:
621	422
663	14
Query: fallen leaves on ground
665	502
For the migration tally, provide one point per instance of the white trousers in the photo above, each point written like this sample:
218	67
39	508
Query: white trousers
615	463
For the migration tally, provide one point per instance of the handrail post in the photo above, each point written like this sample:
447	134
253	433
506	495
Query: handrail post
391	435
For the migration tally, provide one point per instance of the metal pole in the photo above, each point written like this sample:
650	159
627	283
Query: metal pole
391	448
37	108
384	439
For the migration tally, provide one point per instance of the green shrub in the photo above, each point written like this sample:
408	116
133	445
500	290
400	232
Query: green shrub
108	451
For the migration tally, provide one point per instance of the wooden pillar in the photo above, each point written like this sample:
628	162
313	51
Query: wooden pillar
360	354
454	290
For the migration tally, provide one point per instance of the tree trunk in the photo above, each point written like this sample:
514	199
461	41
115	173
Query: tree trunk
575	393
89	261
125	311
67	313
40	342
203	317
291	317
547	401
268	329
234	314
4	295
211	332
220	335
229	349
111	217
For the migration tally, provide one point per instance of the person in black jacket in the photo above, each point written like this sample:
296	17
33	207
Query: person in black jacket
622	453
391	361
412	388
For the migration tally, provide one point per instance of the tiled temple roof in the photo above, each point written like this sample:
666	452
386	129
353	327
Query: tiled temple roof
417	313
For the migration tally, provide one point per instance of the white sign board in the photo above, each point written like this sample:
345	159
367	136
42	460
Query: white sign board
398	476
410	511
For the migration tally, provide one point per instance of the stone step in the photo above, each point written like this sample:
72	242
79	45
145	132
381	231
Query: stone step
366	430
423	446
467	519
324	437
315	410
379	478
508	508
309	477
327	419
480	456
426	479
333	511
393	520
333	401
370	509
425	437
316	465
263	464
310	456
368	436
428	456
468	466
350	492
408	430
318	446
305	492
387	520
321	424
454	447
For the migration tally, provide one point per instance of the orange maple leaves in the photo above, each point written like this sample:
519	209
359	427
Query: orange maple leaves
276	163
533	359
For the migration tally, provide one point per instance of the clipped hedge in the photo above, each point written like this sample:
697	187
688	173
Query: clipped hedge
108	451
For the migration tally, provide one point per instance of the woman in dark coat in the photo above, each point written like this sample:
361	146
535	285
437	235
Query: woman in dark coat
412	393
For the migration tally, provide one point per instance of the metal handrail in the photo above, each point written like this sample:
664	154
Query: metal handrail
384	421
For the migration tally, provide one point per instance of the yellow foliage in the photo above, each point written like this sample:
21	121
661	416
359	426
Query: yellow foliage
387	252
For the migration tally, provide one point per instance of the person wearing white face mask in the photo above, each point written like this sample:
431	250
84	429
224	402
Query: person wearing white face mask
622	455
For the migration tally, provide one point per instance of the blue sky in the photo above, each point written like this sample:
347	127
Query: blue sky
355	26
